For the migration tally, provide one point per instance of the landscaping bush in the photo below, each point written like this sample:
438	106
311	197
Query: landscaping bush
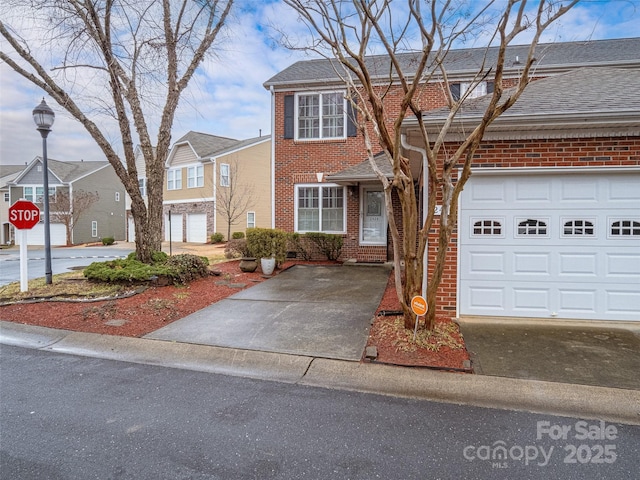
237	248
237	235
267	242
178	269
108	240
329	244
217	237
295	244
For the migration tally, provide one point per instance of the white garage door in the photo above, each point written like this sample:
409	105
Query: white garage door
176	227
561	245
131	231
35	236
197	227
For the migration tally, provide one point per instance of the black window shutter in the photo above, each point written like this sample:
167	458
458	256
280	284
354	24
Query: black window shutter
289	116
455	91
352	120
490	87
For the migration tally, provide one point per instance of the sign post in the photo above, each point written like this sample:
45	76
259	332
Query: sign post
24	215
419	307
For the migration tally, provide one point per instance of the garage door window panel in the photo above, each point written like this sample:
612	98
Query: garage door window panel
487	227
532	227
578	228
625	228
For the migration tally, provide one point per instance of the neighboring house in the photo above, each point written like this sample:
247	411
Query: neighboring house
104	218
548	223
200	170
7	174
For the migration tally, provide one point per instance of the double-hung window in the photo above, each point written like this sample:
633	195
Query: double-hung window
320	208
36	194
142	183
195	176
225	180
174	179
321	115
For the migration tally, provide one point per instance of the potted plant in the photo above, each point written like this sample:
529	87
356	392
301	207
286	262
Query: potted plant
269	245
238	247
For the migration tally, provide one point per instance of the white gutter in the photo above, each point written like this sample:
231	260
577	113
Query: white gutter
425	204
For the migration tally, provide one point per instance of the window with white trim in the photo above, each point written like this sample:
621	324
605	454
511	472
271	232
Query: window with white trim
142	183
174	179
117	196
321	115
36	193
320	208
625	228
531	227
251	219
7	197
487	228
578	227
195	176
225	175
94	228
460	89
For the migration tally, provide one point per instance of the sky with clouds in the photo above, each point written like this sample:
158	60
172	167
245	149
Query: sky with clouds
226	96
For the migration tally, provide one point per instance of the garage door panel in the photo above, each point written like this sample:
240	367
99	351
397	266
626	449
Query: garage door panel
531	299
173	228
575	265
197	227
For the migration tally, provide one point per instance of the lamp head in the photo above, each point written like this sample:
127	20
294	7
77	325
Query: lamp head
43	116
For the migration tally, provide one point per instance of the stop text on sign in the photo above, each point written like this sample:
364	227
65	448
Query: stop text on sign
24	215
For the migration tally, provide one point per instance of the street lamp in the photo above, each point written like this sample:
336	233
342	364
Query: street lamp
43	116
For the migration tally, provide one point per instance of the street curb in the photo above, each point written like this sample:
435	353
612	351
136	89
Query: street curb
610	404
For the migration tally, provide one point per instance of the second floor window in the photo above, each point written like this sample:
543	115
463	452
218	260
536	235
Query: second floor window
142	183
36	194
458	90
174	179
225	175
195	176
321	115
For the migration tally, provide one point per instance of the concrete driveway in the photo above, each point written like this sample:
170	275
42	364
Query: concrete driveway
317	311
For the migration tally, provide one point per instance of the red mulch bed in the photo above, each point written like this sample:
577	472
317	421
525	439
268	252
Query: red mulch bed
156	307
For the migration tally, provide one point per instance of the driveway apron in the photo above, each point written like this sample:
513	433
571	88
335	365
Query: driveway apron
317	311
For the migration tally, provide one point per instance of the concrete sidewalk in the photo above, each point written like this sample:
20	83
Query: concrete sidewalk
609	404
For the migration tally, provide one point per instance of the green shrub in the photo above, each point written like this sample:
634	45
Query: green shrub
217	238
108	240
179	269
295	244
267	242
237	235
329	244
156	257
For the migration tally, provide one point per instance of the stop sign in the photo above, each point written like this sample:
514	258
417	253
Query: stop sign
24	215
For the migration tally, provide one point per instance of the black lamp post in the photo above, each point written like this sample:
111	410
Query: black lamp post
44	117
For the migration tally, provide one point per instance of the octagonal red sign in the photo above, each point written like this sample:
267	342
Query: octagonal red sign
24	214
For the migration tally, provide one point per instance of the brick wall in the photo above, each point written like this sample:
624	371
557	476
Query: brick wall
186	208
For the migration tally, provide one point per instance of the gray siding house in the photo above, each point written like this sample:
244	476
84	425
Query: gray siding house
103	218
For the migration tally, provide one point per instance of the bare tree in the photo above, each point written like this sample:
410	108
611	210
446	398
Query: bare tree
233	199
67	211
385	93
139	55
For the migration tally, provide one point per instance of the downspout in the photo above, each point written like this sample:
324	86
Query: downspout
273	158
425	204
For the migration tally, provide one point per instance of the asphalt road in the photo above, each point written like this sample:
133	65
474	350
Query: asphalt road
62	260
67	417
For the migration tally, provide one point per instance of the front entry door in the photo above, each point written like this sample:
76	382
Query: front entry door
373	228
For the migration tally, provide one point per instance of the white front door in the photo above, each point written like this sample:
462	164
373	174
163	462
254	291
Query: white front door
373	218
562	245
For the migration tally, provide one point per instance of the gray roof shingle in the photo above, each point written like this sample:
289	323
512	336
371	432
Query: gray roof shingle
206	145
582	92
466	60
363	171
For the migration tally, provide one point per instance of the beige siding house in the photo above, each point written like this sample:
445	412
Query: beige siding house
210	179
